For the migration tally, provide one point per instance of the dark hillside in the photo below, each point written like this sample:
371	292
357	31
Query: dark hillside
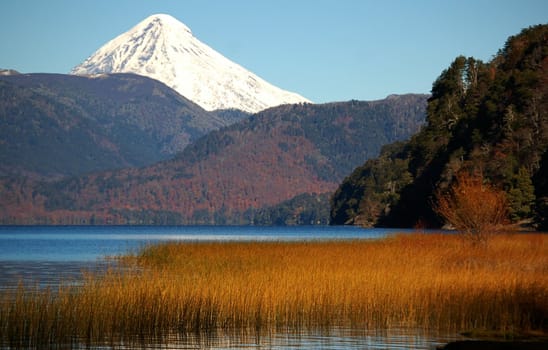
229	176
485	118
54	125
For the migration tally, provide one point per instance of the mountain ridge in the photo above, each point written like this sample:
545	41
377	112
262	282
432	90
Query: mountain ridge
229	176
55	125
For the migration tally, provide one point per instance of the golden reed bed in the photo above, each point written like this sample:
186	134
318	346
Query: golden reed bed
431	282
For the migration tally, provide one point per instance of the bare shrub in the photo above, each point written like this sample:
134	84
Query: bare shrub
476	209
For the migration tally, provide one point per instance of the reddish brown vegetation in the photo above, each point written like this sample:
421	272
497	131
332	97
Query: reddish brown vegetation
473	207
228	175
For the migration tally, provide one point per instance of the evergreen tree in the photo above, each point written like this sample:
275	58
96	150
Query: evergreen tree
521	196
490	119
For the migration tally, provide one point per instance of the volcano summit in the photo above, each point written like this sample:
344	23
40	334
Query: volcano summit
162	48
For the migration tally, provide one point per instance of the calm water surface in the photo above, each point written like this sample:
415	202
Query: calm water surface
88	243
336	339
46	255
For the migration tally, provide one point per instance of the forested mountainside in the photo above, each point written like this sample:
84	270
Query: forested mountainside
484	118
243	173
54	125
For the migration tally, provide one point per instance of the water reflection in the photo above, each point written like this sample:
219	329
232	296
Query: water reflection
47	274
88	243
334	339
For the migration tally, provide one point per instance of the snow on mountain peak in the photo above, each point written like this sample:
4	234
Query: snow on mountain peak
163	23
163	48
167	20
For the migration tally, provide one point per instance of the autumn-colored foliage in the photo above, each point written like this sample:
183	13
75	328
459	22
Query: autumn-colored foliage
474	208
422	282
482	116
230	176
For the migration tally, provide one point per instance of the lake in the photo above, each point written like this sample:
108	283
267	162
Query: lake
46	255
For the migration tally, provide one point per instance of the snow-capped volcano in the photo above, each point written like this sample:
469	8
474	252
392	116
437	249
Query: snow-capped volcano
165	49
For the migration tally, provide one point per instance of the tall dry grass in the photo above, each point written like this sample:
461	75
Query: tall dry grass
431	282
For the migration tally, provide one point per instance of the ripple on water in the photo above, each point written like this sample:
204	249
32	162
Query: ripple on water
45	274
333	339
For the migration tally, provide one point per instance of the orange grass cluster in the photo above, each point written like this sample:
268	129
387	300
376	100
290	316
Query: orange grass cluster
426	281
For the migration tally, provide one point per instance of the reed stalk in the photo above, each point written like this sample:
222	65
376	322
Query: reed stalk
431	282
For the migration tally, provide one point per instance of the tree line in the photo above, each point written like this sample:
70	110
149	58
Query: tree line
485	119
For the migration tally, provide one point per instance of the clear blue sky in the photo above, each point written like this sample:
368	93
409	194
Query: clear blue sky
326	50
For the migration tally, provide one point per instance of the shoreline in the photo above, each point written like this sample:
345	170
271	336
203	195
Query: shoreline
495	345
428	282
490	340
